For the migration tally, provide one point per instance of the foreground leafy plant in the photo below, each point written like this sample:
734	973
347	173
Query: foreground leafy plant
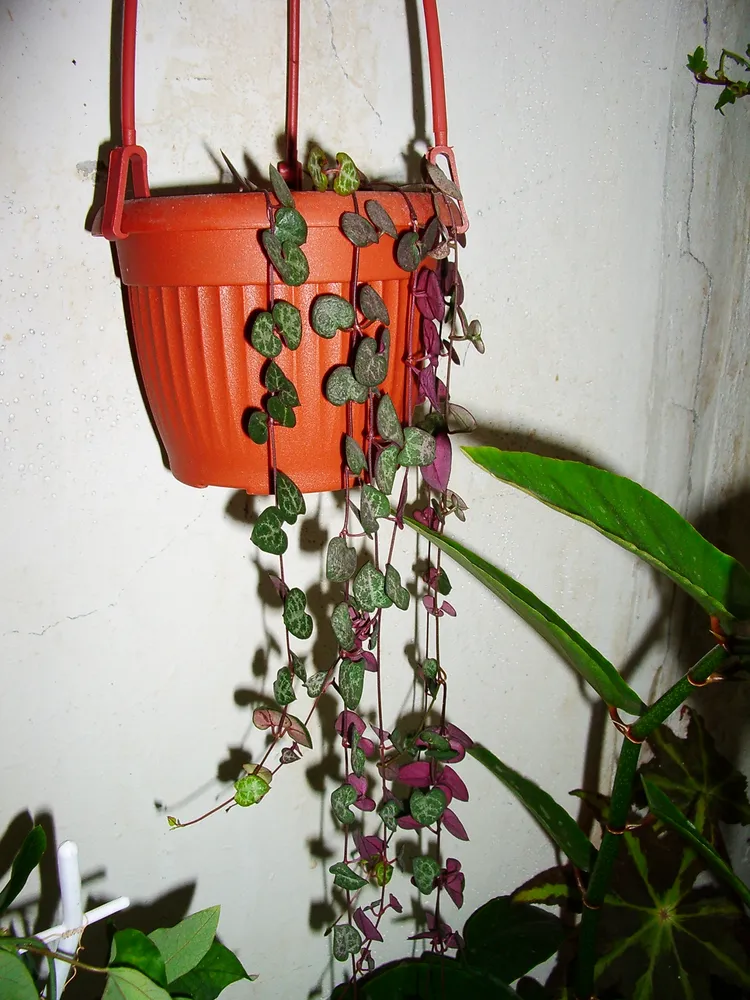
181	961
732	89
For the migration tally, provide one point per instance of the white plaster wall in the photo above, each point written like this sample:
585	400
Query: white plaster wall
129	624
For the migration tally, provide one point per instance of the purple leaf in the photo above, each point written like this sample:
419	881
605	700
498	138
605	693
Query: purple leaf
428	386
368	928
428	517
417	774
370	659
279	586
453	824
429	295
431	341
453	881
438	474
430	605
394	904
358	784
366	746
364	803
450	779
369	847
402	501
382	734
345	721
448	609
452	732
408	823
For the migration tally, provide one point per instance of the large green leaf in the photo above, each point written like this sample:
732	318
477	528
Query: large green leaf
431	977
183	946
133	949
509	939
15	979
660	937
634	518
28	857
582	656
218	969
551	816
665	810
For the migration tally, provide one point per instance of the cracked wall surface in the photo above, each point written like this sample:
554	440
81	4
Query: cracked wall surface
607	260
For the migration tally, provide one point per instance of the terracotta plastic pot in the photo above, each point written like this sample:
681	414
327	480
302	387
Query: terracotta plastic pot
195	273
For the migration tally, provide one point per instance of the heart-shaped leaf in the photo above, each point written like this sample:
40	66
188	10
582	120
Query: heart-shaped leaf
341	798
380	218
398	594
371	360
389	426
257	426
316	683
276	381
280	411
388	812
289	499
297	667
430	236
346	180
268	533
290	227
346	939
438	472
280	187
408	253
283	689
330	313
355	457
582	656
343	629
317	162
346	878
374	504
289	261
351	682
369	589
425	871
386	465
342	387
289	321
419	448
635	519
441	181
341	560
250	789
262	336
372	306
358	230
427	807
299	623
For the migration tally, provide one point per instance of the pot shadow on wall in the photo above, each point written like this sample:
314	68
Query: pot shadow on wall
39	903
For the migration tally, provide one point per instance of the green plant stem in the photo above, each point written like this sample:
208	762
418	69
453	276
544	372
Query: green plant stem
622	797
32	945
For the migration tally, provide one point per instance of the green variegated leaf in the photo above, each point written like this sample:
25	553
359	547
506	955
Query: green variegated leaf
268	533
283	689
316	683
351	682
632	517
342	626
276	381
553	887
345	878
430	668
289	321
289	499
262	337
346	939
291	228
419	448
297	667
347	179
280	412
372	306
369	589
374	505
386	465
388	812
342	387
427	807
389	426
357	755
250	789
425	871
341	798
280	187
331	313
398	594
341	560
257	426
371	362
380	218
316	164
358	230
355	457
408	253
295	618
289	261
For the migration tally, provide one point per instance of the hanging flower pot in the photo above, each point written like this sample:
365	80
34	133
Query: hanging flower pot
207	278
